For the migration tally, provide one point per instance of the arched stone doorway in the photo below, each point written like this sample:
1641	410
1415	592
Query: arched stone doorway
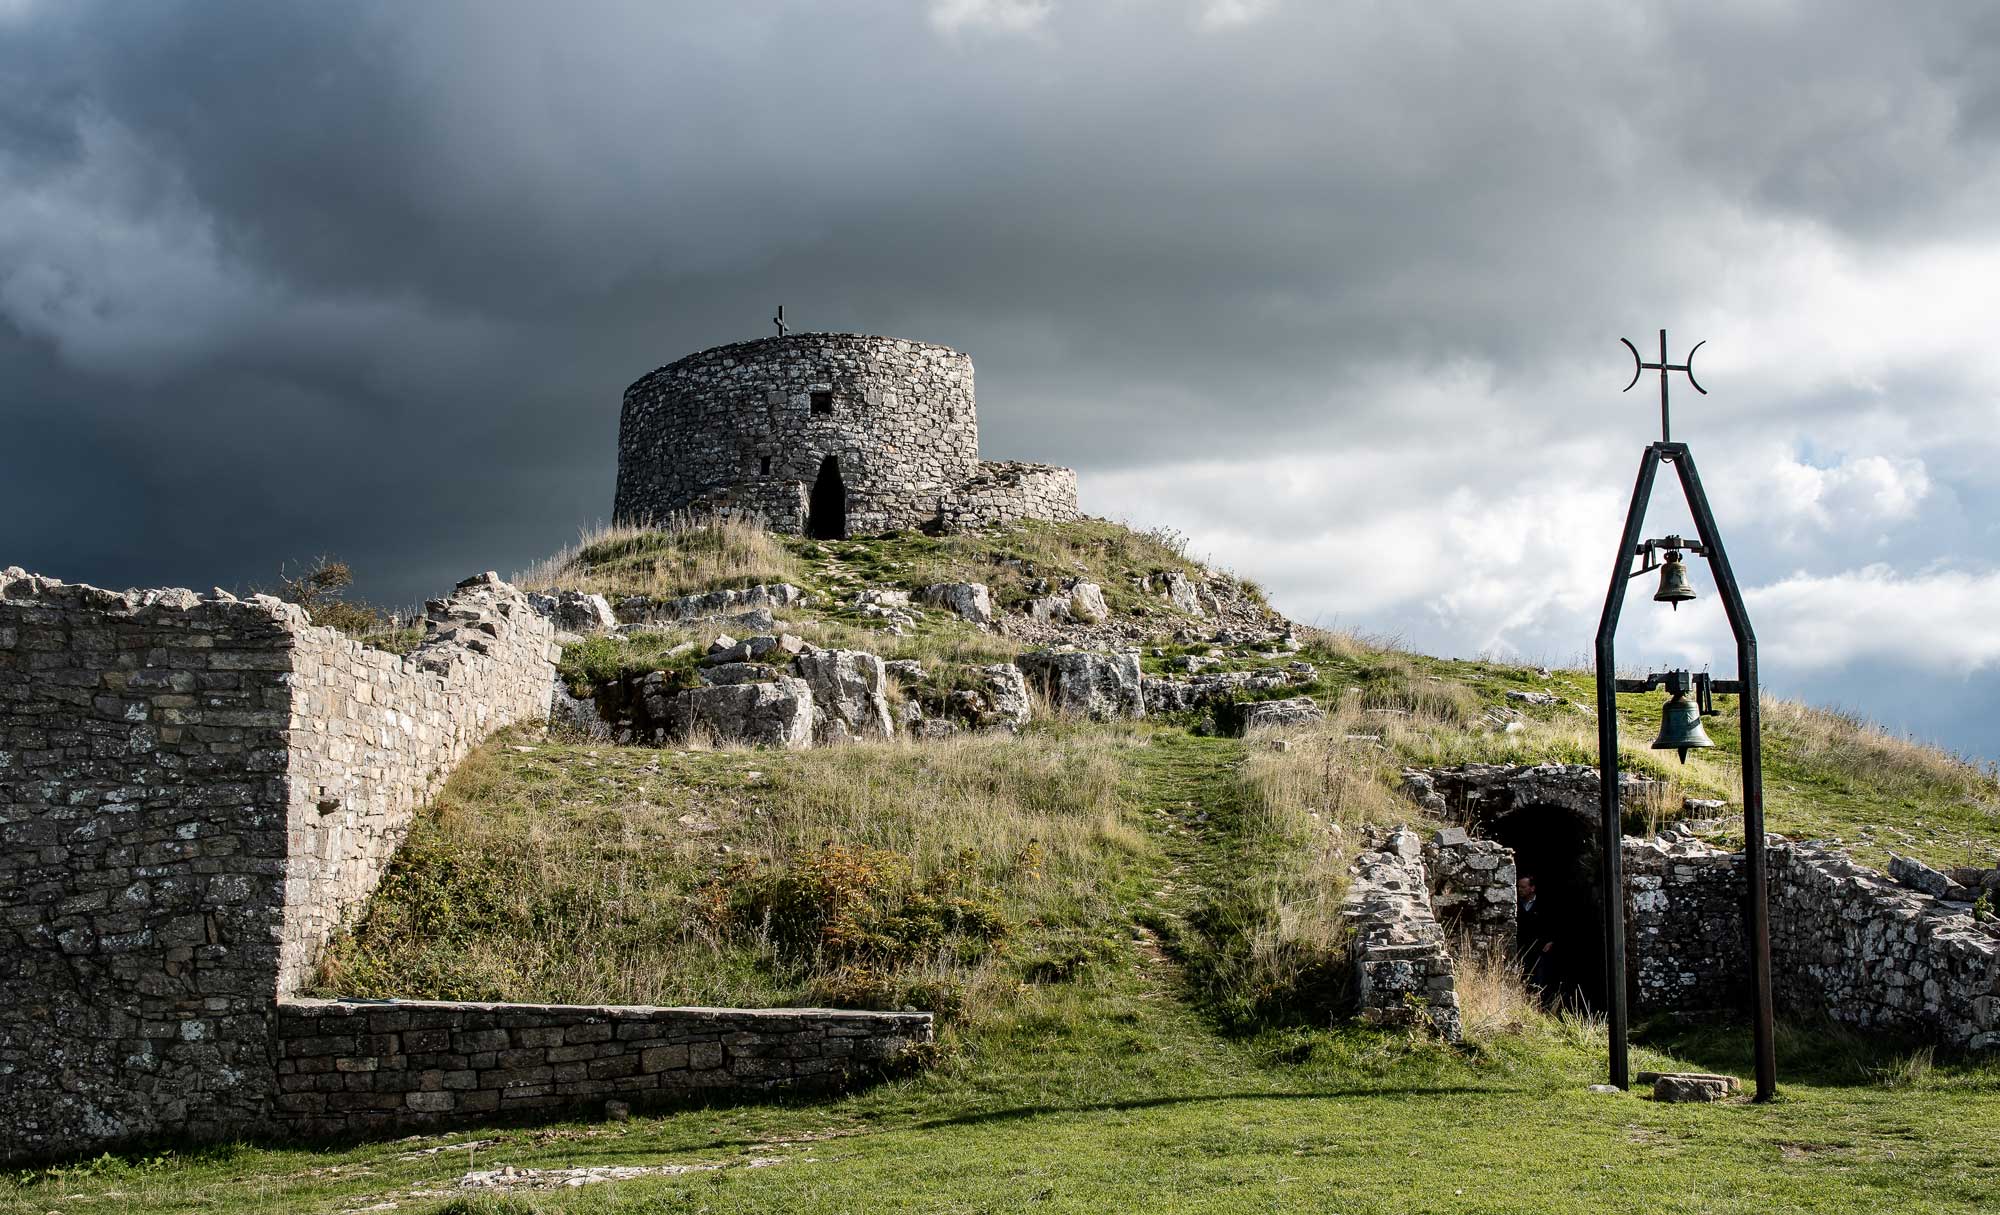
1561	850
826	517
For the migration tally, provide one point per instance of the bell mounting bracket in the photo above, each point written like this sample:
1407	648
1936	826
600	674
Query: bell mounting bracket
1648	552
1704	687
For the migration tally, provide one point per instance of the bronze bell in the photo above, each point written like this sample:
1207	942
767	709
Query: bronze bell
1674	585
1680	726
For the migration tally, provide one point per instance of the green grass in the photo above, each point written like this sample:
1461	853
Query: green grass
1122	1086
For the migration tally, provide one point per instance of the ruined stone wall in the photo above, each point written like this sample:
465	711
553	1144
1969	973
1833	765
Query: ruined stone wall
1472	891
375	1067
1873	953
1403	973
142	848
1009	491
193	791
374	735
1686	947
902	422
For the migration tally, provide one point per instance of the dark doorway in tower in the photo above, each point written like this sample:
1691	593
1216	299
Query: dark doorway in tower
826	517
1560	849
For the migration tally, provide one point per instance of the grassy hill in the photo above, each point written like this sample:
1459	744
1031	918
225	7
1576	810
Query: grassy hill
1128	931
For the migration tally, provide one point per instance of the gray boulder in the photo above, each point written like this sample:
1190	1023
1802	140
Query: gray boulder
1086	603
574	611
1269	714
904	670
739	672
1006	692
774	714
577	715
969	601
1083	684
1183	594
1916	875
848	694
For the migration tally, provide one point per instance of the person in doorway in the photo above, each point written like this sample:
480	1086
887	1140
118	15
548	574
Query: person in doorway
1535	941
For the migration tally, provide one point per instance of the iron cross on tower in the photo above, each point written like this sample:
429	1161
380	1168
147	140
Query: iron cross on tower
1663	367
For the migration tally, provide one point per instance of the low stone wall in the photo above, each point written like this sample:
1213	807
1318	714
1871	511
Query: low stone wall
1872	953
1402	971
1009	491
350	1067
1685	943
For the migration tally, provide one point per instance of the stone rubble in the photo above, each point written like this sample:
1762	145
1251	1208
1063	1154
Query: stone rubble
1403	972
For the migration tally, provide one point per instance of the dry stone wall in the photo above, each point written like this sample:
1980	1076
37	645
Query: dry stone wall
374	735
344	1067
1686	946
193	791
1403	973
747	429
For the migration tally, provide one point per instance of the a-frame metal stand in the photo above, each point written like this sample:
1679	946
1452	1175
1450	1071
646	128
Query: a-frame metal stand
1745	686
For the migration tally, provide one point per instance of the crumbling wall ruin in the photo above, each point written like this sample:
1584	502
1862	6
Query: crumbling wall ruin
1902	953
193	791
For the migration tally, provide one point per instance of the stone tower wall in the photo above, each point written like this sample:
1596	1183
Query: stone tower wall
902	422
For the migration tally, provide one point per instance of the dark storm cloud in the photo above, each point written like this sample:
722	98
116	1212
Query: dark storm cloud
369	278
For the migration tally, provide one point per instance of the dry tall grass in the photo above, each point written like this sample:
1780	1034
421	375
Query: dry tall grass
683	555
1860	751
572	874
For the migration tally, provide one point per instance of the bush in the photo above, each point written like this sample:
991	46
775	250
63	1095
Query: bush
847	905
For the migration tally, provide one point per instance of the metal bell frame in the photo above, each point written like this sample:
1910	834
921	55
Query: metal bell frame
1750	729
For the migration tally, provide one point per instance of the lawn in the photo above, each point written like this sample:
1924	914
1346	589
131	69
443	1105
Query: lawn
1123	1083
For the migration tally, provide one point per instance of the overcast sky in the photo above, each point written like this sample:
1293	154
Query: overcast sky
1334	288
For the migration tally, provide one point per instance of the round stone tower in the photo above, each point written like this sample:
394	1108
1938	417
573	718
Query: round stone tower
817	433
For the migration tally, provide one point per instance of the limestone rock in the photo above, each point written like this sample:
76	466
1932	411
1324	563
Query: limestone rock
1543	699
1084	684
1270	714
1006	693
574	611
970	601
577	715
1692	1086
904	670
738	672
774	714
1086	603
848	694
1181	590
643	609
1919	876
754	649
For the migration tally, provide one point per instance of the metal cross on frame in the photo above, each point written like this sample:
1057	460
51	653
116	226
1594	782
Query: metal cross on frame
1640	367
779	321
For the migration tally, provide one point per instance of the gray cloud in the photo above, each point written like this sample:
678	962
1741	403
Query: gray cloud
370	278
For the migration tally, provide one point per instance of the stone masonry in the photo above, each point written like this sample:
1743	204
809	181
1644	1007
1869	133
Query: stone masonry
1403	973
194	790
346	1067
750	428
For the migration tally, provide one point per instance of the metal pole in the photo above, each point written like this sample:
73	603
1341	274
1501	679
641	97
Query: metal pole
1611	868
1750	716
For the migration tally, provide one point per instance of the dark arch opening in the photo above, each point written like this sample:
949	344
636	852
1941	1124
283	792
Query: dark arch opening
1560	849
826	516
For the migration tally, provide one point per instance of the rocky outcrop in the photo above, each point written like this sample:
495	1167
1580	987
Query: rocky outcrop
848	701
1084	684
712	605
969	601
1181	592
574	611
1280	714
778	713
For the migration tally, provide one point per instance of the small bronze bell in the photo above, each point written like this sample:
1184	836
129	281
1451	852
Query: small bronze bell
1674	585
1680	726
